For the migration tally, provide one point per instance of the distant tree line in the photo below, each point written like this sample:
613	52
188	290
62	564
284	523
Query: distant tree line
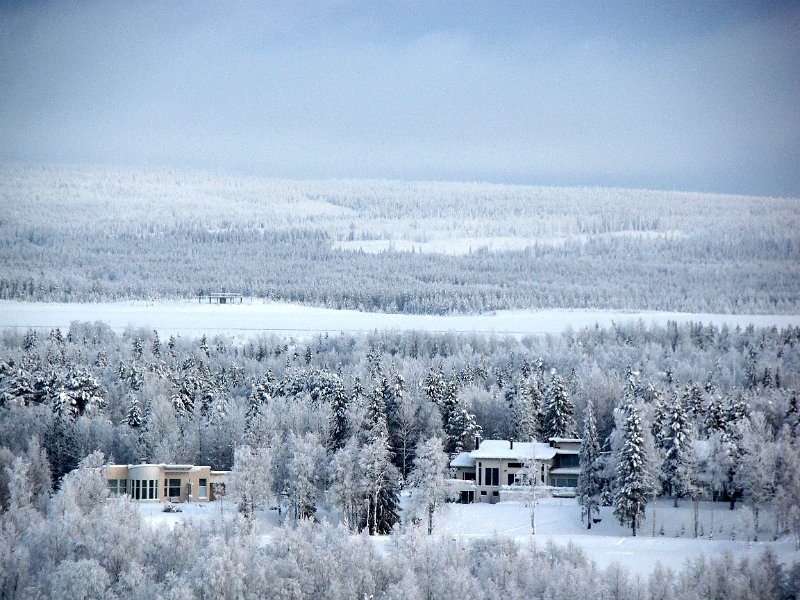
94	234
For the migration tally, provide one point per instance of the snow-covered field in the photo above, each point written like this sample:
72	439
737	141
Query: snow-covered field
244	320
557	520
459	246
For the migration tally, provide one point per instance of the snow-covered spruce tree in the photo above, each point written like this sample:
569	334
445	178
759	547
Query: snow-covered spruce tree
461	427
792	417
632	483
658	426
138	348
155	348
340	427
589	479
260	395
714	419
381	476
558	418
381	487
429	479
678	468
376	421
526	408
449	400
81	392
134	417
434	384
692	400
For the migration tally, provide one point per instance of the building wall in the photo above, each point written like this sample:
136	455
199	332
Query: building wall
158	483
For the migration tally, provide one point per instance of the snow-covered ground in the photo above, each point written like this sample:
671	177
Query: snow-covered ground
459	246
557	520
250	318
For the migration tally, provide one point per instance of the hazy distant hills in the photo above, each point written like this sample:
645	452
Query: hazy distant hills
88	234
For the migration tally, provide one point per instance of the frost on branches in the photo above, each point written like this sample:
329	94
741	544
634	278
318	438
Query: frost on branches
632	475
589	479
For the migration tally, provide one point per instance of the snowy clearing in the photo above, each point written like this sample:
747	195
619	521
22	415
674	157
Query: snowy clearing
251	318
558	521
460	246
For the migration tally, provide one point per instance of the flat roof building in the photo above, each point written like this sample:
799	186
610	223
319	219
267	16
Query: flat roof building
166	483
497	464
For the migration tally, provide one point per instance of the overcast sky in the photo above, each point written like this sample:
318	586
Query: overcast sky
693	97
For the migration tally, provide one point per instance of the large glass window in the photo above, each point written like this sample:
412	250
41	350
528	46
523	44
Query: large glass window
568	460
174	490
117	487
202	489
565	481
151	489
492	475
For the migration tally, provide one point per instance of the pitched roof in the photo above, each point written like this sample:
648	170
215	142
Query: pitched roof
521	451
463	460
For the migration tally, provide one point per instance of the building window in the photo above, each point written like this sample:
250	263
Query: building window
495	494
492	475
515	465
565	482
469	476
510	479
174	490
202	489
567	460
117	487
151	489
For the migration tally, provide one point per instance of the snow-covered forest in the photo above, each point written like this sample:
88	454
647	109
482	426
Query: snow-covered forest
89	234
344	426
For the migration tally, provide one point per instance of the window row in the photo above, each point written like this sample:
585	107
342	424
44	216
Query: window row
147	489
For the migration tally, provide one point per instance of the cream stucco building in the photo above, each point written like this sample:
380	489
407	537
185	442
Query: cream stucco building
166	483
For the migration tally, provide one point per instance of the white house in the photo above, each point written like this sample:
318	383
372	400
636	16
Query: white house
500	465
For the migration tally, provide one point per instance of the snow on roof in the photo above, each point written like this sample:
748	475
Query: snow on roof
521	451
463	460
558	440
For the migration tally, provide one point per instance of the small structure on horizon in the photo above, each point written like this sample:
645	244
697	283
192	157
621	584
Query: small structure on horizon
221	297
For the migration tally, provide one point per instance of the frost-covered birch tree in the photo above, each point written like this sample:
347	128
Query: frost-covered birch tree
250	484
429	479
